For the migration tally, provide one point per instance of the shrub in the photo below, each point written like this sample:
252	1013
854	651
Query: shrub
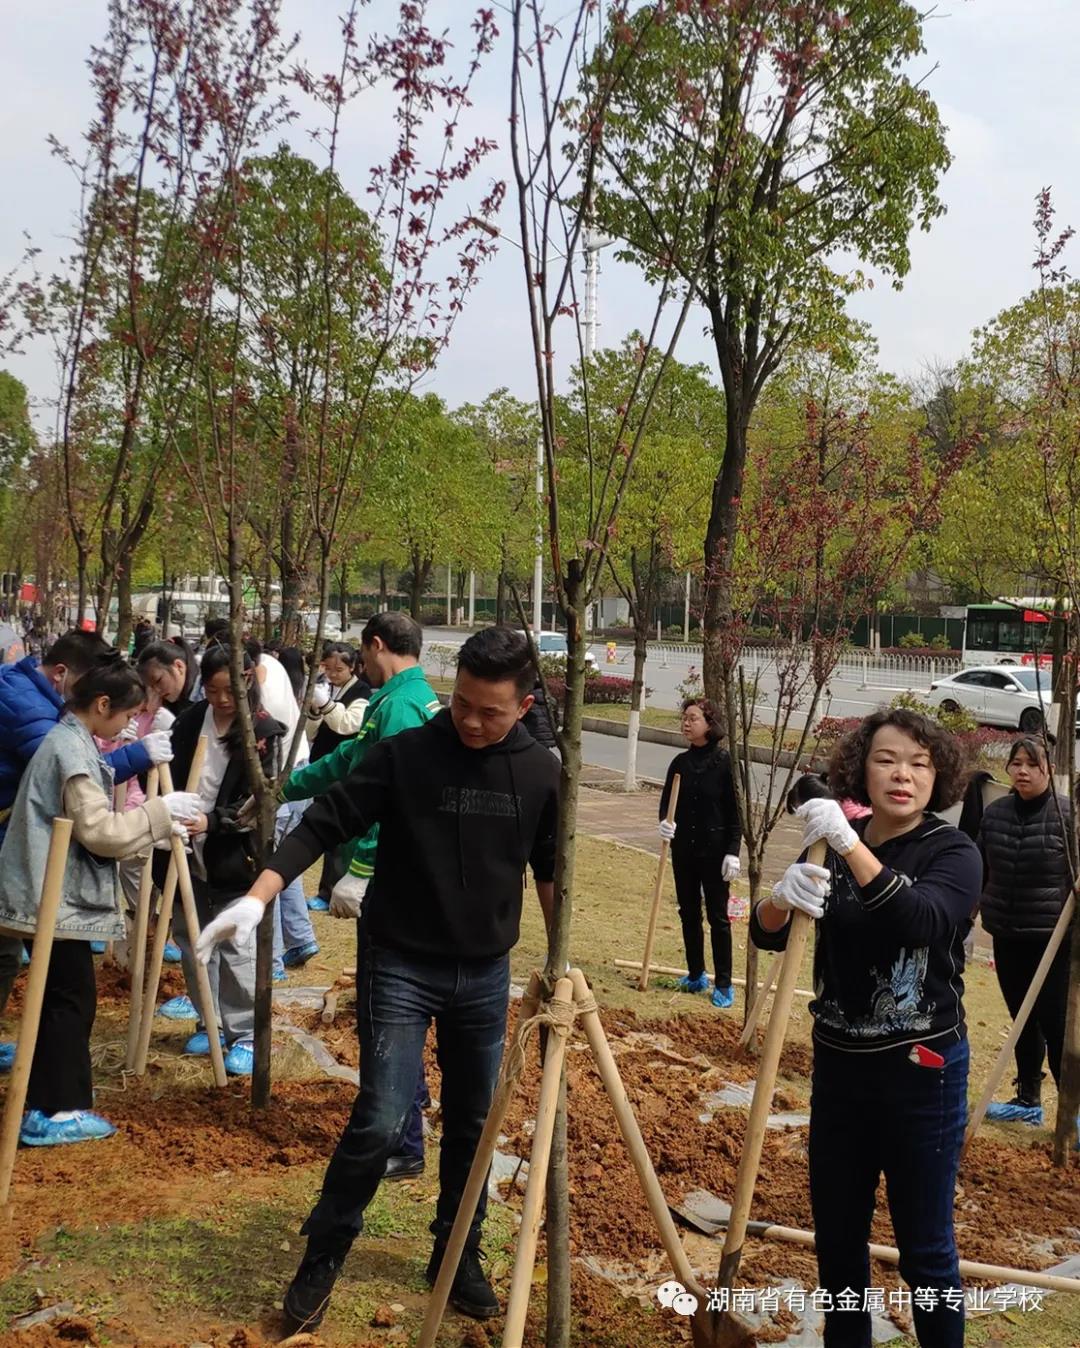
912	641
832	728
940	642
960	722
673	633
928	651
608	688
444	656
691	686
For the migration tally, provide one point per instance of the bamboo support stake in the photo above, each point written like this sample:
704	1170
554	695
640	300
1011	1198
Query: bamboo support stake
191	922
161	932
658	888
760	1000
138	947
889	1254
478	1173
153	971
532	1211
51	892
589	1017
1001	1062
798	933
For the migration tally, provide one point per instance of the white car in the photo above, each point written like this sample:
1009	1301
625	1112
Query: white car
554	644
1003	695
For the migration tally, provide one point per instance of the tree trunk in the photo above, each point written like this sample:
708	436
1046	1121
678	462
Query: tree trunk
558	1285
637	696
416	585
384	593
81	562
267	596
751	990
557	1230
124	619
1068	1110
343	586
720	538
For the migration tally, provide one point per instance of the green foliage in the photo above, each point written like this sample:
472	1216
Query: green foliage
912	641
960	722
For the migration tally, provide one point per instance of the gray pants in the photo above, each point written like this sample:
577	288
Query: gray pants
232	971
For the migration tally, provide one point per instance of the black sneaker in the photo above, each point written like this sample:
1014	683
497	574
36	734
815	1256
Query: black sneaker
470	1292
309	1292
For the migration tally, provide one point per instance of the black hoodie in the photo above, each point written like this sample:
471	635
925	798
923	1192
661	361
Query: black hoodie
457	827
889	957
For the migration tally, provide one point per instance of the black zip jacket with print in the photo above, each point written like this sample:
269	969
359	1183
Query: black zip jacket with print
889	957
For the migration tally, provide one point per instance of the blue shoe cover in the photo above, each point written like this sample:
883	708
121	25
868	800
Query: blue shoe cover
178	1008
82	1125
240	1059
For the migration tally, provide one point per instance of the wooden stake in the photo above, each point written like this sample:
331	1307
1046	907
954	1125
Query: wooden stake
191	921
161	932
798	933
889	1254
1001	1062
478	1173
153	971
631	1133
654	911
760	1000
138	948
532	1211
51	893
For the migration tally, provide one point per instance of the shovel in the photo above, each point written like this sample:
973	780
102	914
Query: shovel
723	1329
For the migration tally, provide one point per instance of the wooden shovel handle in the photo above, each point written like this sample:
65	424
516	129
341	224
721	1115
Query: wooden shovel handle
798	933
658	888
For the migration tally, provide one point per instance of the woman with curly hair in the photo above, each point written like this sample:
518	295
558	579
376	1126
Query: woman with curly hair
892	905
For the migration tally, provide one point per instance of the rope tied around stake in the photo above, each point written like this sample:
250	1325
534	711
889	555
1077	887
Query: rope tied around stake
557	1014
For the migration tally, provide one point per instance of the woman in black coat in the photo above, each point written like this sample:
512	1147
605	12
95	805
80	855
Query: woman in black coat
1025	839
704	846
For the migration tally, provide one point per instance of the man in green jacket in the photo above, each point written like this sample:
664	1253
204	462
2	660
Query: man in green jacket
403	699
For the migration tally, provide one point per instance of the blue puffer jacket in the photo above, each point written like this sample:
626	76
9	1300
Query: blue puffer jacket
29	708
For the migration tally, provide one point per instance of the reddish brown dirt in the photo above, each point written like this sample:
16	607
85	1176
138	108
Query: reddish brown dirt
168	1147
1009	1198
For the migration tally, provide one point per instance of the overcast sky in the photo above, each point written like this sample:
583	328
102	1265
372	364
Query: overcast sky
1005	83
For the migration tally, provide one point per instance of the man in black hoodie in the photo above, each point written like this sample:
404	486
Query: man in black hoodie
464	804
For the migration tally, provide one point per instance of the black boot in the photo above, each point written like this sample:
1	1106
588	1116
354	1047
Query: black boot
309	1292
470	1292
1024	1107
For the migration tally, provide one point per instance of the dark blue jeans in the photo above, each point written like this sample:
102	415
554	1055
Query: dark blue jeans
412	1139
400	995
874	1113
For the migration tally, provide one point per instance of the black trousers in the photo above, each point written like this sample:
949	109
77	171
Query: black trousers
61	1077
1044	1034
696	876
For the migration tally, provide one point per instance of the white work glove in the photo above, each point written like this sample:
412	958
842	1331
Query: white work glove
320	696
731	868
666	830
158	744
130	732
347	896
178	830
163	719
825	819
802	889
182	804
236	924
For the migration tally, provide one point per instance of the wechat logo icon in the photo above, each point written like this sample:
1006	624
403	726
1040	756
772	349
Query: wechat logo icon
674	1296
